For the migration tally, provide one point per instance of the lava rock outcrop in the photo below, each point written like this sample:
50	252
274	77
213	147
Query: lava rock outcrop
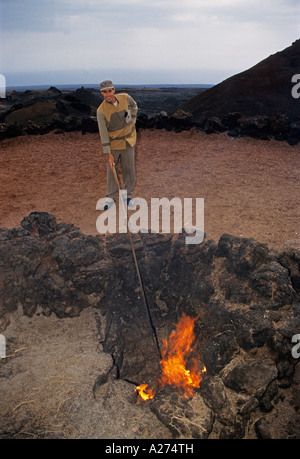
245	297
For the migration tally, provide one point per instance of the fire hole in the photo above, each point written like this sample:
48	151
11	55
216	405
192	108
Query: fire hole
176	354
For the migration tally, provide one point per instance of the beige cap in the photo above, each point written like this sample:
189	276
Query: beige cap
107	84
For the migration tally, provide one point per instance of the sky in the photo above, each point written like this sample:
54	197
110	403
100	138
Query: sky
140	41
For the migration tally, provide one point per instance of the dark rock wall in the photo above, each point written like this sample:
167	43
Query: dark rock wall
245	296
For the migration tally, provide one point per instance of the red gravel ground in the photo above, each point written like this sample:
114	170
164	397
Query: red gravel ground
250	187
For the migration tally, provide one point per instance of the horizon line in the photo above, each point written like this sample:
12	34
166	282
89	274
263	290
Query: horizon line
97	85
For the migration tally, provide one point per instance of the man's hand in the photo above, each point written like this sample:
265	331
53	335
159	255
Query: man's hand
111	160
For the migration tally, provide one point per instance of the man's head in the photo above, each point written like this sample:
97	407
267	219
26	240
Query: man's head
108	91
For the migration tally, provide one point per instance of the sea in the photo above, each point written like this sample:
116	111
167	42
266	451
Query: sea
73	87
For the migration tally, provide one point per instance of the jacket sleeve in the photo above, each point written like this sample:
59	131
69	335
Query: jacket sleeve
133	108
103	132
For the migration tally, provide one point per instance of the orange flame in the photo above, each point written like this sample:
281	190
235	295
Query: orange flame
175	355
145	395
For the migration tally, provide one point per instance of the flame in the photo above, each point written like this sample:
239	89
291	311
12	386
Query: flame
145	395
175	356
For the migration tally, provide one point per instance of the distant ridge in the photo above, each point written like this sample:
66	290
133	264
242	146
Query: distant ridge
73	87
264	89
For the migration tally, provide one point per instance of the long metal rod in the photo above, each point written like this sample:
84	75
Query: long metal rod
151	325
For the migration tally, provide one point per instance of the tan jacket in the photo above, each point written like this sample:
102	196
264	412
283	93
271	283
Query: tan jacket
117	124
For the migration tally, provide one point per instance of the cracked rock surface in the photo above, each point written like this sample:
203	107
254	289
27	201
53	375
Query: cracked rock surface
78	341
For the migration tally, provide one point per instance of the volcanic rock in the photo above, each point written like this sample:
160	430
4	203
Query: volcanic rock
186	419
243	296
39	112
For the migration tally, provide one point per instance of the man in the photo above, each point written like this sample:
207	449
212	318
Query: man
116	120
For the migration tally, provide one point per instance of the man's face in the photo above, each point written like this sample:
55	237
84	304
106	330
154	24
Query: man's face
109	95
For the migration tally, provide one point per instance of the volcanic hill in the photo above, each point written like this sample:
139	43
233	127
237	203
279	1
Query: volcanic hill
264	89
